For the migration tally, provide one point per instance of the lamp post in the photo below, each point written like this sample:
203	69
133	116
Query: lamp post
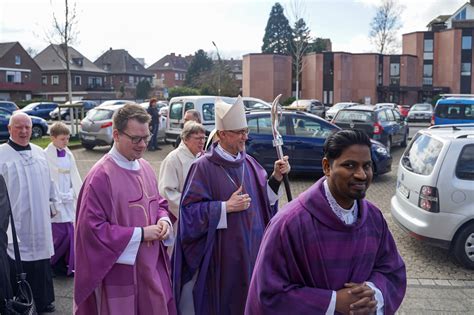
220	62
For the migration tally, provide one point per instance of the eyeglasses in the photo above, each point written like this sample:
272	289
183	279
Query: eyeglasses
199	138
241	132
137	140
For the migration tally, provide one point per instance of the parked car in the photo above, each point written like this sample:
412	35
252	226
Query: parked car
180	104
311	106
382	124
420	112
252	103
11	106
39	109
386	105
65	112
332	111
38	129
116	102
96	127
434	199
403	110
303	139
454	110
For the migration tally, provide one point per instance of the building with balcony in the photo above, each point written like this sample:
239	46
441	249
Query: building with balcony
87	80
20	75
123	71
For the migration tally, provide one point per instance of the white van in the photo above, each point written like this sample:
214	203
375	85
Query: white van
180	104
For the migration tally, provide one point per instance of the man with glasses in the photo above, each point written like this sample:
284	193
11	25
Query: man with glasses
122	229
175	166
227	201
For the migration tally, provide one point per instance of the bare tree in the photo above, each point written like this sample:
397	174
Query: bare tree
301	38
61	36
385	25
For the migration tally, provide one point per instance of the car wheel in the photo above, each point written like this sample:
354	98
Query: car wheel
88	146
404	142
36	132
464	246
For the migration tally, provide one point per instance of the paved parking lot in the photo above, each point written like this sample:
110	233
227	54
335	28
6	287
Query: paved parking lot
437	284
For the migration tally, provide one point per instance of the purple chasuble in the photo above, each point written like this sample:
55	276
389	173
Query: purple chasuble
63	239
224	258
307	252
113	201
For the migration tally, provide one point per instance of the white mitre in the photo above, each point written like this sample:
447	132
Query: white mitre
228	116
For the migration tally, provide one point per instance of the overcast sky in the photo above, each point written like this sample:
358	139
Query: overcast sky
153	28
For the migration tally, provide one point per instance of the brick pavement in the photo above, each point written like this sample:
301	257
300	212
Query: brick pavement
436	283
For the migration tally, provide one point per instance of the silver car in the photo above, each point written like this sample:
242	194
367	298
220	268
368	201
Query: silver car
97	127
420	112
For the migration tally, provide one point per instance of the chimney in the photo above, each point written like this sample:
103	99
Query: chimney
172	55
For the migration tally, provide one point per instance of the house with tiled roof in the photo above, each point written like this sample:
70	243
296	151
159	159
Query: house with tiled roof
124	71
20	76
170	71
88	81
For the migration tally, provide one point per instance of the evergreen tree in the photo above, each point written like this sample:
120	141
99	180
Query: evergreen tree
278	33
143	89
318	45
200	63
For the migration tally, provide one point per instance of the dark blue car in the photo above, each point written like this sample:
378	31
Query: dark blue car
41	109
303	139
40	126
379	123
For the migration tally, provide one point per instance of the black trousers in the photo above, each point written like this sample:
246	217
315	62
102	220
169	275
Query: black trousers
5	286
40	278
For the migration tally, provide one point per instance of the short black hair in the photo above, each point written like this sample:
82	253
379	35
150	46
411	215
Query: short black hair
340	140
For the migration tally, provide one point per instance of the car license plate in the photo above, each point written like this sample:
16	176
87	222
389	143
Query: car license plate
403	190
91	138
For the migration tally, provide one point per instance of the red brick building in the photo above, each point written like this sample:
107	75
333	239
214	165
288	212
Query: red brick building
20	76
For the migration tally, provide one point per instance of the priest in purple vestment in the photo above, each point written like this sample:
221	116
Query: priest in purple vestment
122	228
330	250
226	204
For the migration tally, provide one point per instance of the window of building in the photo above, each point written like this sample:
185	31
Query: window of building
44	79
94	81
395	73
461	15
13	76
428	49
55	80
466	68
107	67
77	80
176	76
18	60
162	76
130	79
467	42
427	74
135	67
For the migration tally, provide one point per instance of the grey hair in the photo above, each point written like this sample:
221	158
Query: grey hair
190	128
16	114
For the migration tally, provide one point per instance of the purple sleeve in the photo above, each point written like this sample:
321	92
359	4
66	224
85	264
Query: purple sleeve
277	285
389	274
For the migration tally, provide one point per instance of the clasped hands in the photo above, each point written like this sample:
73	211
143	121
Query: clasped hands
355	299
156	232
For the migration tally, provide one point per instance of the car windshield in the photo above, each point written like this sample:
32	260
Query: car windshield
353	115
30	106
100	114
421	107
339	106
421	156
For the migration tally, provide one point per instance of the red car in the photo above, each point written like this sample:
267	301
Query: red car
403	109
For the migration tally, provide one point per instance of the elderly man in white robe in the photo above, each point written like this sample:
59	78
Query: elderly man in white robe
27	175
175	166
